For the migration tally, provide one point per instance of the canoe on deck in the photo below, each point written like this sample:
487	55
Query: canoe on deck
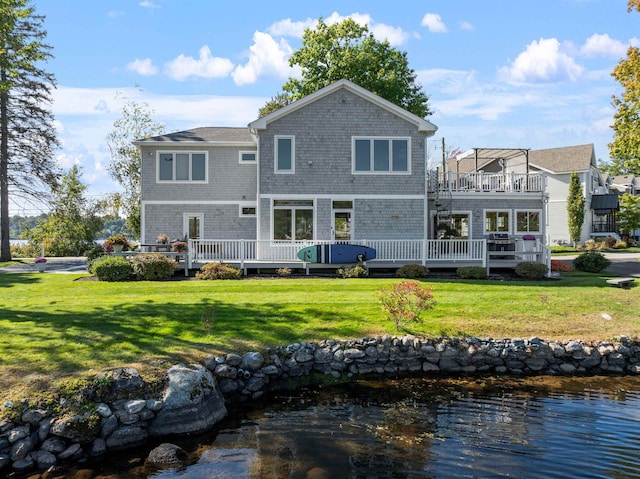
336	253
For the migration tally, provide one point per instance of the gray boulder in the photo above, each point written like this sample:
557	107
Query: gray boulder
166	454
192	402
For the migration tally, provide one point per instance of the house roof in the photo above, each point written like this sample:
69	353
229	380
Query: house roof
422	124
553	160
623	180
564	160
204	135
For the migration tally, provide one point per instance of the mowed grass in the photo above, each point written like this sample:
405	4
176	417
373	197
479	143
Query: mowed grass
55	325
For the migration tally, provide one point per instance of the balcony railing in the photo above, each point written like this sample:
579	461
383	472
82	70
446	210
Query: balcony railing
486	182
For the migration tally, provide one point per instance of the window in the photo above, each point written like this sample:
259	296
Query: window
247	210
247	157
496	221
461	222
528	221
293	219
182	167
284	154
381	155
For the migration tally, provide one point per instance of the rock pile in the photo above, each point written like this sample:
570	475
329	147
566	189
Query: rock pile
196	396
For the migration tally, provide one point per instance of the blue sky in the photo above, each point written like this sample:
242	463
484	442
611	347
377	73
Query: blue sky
499	73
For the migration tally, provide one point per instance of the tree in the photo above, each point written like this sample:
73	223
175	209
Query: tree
126	162
628	217
625	147
348	50
575	208
27	134
73	225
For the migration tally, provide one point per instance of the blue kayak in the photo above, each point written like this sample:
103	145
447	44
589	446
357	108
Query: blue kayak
336	253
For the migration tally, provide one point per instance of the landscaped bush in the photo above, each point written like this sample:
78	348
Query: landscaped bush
28	250
472	272
219	271
591	262
560	267
620	245
405	302
95	251
531	270
153	266
610	242
112	268
356	271
412	271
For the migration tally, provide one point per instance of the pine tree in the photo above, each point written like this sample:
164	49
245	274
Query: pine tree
575	208
27	134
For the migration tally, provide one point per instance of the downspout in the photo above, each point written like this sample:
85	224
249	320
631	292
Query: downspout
254	133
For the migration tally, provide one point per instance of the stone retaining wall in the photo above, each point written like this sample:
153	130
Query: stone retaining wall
196	396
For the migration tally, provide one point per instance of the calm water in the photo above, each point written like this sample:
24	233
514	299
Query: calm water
529	428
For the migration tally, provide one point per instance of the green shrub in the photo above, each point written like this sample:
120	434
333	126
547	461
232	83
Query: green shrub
472	272
412	271
531	270
153	266
95	251
25	250
591	262
356	271
112	268
219	271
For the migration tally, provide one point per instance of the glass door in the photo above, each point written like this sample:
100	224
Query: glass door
193	226
342	225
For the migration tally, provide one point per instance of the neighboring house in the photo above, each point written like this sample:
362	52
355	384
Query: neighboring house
339	165
557	165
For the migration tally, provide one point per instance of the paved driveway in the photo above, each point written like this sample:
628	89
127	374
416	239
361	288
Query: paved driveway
623	264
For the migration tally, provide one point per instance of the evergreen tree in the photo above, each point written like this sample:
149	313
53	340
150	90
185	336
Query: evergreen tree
27	134
575	208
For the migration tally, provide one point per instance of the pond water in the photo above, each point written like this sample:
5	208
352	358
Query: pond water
421	428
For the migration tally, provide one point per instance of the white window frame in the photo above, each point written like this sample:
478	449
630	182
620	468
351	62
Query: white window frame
275	207
248	215
469	216
276	139
248	162
371	170
182	152
524	210
185	223
496	210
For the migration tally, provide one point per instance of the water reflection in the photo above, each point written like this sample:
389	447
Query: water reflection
527	428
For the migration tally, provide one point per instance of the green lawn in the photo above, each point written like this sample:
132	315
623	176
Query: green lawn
53	325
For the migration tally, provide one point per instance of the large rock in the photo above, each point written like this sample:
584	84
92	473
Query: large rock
166	454
192	402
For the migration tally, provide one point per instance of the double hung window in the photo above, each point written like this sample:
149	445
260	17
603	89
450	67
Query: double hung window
496	221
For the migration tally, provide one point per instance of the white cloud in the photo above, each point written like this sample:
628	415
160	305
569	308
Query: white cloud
148	4
289	28
144	67
464	25
434	23
542	61
205	66
115	13
602	45
266	57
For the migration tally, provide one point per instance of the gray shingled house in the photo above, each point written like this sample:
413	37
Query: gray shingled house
339	165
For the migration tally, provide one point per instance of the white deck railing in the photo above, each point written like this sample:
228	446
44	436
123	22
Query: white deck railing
487	182
425	251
